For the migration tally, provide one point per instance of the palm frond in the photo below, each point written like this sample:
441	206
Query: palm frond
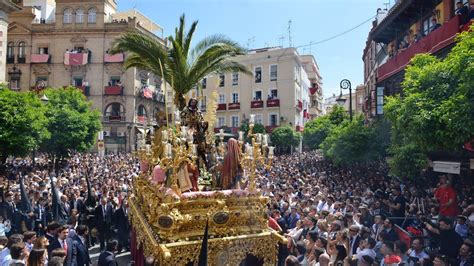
179	65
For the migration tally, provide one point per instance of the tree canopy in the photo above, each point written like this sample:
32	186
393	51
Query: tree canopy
316	130
72	122
22	123
180	65
285	137
353	142
436	110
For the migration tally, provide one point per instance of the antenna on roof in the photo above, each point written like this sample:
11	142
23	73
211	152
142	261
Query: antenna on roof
386	5
281	39
250	42
289	32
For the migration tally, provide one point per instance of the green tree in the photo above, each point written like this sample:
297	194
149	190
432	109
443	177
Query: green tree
436	110
352	142
22	123
285	137
72	123
316	130
181	66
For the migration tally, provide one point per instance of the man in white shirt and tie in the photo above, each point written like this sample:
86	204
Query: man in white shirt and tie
67	244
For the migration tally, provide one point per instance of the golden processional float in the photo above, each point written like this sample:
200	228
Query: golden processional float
180	190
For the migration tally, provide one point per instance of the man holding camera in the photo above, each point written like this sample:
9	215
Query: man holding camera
397	204
449	240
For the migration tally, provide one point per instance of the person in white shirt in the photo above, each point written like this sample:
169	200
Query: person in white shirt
29	237
416	255
5	256
368	245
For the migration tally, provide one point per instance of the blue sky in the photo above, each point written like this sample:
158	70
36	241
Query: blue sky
266	21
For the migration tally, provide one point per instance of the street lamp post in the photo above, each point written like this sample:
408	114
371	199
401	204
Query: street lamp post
346	85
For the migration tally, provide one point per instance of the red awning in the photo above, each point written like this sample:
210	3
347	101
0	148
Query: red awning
313	90
39	58
78	59
116	58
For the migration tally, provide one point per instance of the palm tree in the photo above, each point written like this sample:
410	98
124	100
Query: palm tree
179	65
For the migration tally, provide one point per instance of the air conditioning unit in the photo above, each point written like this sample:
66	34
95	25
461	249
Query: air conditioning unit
282	118
106	133
120	134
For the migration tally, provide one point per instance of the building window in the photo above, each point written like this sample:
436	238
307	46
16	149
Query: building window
235	121
235	78
235	97
77	81
67	16
92	15
258	74
221	98
10	53
80	15
1	34
257	95
203	104
273	120
114	81
43	50
204	83
141	111
114	109
22	52
273	72
221	80
42	81
258	119
273	94
380	100
221	121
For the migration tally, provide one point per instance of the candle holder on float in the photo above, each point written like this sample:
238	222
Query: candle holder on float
176	148
256	154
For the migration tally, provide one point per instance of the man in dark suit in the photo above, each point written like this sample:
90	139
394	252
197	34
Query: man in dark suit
65	208
354	239
123	225
41	216
51	233
80	241
63	242
107	258
103	221
76	204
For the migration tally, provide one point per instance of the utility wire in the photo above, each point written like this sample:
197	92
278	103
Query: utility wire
337	35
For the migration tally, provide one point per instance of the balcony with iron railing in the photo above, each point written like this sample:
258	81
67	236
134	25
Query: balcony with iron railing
221	107
114	117
21	59
40	58
10	59
273	103
113	90
233	106
256	104
431	43
299	105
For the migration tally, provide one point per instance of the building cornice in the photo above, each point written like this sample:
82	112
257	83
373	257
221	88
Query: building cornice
8	6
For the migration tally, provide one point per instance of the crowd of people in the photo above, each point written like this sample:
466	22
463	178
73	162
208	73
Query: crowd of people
362	216
330	215
83	204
